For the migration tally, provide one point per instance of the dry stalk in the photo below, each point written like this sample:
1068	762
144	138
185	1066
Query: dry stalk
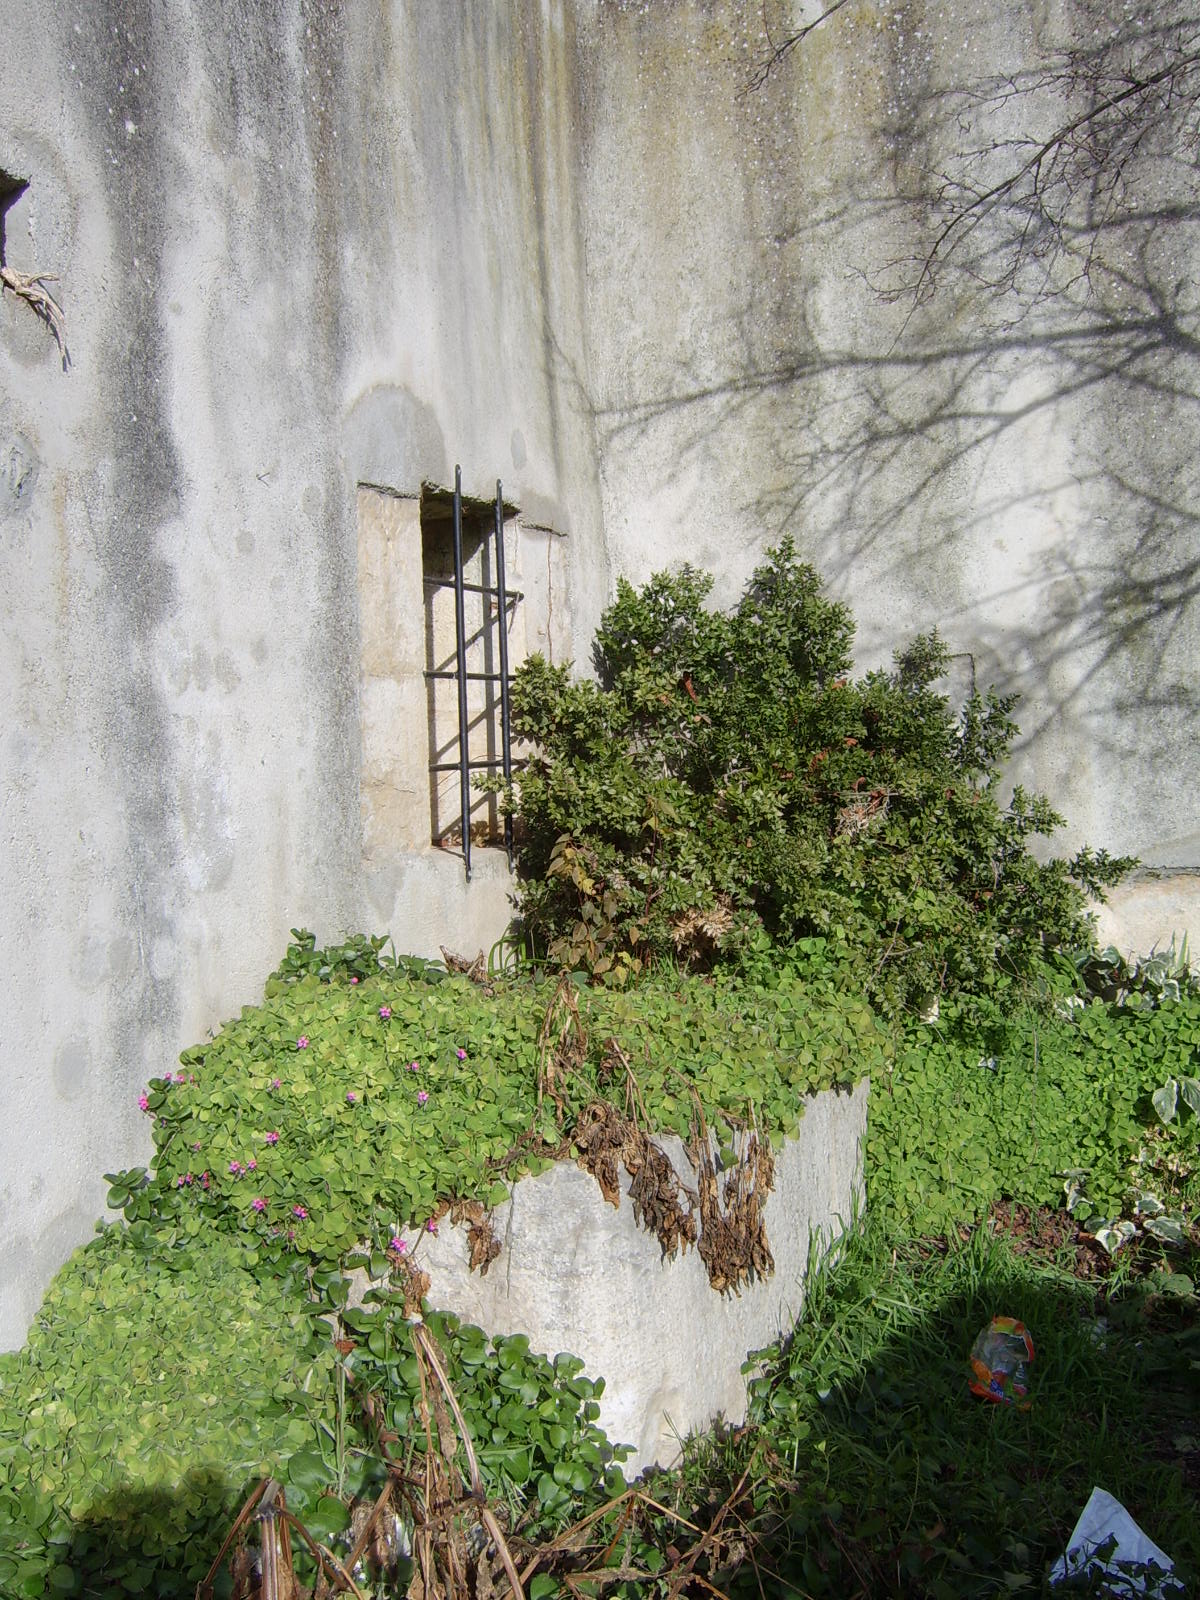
562	1042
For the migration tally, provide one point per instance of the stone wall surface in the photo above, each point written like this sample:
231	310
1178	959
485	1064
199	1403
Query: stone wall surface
579	1275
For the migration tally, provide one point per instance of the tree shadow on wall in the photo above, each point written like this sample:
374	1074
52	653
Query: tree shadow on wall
1009	403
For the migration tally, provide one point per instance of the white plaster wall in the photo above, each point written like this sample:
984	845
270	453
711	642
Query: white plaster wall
299	247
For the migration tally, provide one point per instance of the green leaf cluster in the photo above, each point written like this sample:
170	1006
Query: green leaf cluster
993	1104
373	1120
161	1375
727	774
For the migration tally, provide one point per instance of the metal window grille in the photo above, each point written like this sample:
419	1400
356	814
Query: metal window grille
506	601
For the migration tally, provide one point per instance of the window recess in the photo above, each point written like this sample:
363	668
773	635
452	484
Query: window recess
469	613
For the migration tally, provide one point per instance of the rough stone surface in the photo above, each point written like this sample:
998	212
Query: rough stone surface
577	1274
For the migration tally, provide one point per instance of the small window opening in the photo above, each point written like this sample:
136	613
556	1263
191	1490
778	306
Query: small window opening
466	665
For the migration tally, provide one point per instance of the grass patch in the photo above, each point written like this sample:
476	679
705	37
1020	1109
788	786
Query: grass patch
886	1477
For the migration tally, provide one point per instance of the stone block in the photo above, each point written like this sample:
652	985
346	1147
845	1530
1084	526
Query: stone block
578	1274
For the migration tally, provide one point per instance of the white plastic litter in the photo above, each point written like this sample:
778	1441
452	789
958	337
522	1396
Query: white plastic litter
1104	1519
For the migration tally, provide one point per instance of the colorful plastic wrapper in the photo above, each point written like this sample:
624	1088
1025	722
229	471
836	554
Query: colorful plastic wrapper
1000	1360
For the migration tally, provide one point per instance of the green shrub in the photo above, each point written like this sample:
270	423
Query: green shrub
727	775
160	1377
163	1376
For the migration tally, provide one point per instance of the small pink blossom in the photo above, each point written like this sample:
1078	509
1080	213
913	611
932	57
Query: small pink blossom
236	1168
299	1211
259	1203
272	1137
302	1042
431	1226
276	1083
353	980
351	1097
422	1096
143	1103
385	1012
180	1077
204	1180
183	1179
196	1146
397	1244
461	1054
413	1067
251	1165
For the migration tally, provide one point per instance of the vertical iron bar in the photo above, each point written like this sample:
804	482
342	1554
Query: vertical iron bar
502	617
460	650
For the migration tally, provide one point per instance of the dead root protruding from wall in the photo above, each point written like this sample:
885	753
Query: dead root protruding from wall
31	287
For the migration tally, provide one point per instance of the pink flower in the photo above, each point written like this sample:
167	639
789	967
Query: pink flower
422	1096
413	1067
397	1244
180	1077
302	1042
204	1180
385	1012
272	1137
251	1165
182	1179
461	1054
259	1203
430	1226
299	1211
196	1146
143	1103
236	1168
276	1083
353	980
351	1097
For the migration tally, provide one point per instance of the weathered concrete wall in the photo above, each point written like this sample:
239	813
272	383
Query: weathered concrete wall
299	246
579	1275
1016	462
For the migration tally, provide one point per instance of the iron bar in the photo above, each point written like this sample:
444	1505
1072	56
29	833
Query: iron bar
502	619
460	647
476	766
472	677
471	588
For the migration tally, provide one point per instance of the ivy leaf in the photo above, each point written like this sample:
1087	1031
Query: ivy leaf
1116	1235
1168	1229
1165	1100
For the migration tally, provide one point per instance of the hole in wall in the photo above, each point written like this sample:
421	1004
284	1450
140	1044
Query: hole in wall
11	190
